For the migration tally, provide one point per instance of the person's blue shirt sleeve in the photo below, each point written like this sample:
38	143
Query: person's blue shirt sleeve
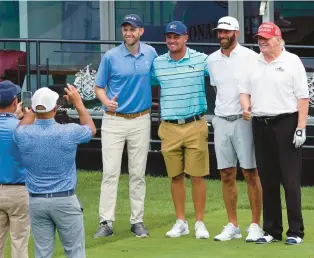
80	133
155	81
17	135
154	53
206	72
15	152
103	73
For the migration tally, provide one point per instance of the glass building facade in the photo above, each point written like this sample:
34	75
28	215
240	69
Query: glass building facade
85	19
100	20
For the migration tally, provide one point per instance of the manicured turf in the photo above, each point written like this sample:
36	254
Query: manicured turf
159	217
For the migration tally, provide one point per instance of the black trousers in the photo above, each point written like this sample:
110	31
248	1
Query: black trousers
279	162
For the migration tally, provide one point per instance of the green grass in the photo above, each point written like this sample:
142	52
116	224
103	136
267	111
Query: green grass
159	217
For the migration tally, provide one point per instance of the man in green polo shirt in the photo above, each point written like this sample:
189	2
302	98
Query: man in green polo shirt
183	131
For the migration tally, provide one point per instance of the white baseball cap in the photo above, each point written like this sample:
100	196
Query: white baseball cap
44	97
227	23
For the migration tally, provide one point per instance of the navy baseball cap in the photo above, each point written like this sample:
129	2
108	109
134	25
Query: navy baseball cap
176	27
8	91
134	20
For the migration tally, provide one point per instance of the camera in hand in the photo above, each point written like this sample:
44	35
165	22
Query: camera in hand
27	99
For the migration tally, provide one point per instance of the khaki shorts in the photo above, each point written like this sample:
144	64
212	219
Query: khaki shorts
185	148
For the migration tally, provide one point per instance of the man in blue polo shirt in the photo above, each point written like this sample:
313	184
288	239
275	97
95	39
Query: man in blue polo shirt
124	87
48	151
13	194
183	131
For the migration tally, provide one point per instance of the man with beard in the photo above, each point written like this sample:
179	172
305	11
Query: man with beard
233	136
123	85
275	92
183	131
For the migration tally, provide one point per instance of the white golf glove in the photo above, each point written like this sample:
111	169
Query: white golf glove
299	137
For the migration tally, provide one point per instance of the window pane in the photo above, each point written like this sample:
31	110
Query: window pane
252	20
9	22
295	20
65	20
73	20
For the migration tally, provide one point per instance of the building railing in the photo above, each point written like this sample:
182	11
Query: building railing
38	43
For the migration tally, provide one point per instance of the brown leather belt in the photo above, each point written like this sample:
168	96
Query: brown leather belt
129	116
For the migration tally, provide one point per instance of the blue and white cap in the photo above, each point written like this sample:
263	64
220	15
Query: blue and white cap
176	27
134	20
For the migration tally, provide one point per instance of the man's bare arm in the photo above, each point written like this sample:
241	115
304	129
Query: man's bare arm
28	118
85	118
303	107
245	101
74	97
101	94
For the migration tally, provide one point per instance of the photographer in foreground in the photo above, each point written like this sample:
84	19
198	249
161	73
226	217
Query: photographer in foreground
48	151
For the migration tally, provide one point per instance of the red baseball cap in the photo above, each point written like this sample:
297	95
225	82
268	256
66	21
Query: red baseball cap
268	30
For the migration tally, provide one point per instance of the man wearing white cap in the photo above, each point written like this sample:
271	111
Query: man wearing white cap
48	151
233	135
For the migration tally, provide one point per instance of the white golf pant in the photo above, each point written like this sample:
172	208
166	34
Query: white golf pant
115	131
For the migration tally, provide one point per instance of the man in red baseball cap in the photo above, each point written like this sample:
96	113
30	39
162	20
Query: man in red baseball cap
268	30
275	93
269	40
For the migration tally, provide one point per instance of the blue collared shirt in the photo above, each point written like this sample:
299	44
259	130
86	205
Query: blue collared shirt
182	84
128	77
11	170
48	152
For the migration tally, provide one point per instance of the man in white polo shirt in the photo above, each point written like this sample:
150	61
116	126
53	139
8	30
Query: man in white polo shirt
233	135
275	92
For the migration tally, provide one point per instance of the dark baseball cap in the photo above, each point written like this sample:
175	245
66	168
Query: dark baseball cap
8	91
134	20
176	27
